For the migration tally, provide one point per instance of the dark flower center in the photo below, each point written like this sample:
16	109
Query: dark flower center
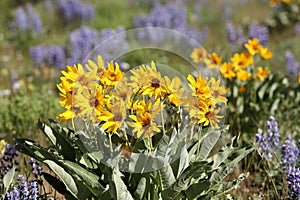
155	83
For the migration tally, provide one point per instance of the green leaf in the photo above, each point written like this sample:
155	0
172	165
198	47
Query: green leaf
141	189
89	178
208	144
55	183
64	176
8	178
184	181
196	189
48	132
167	177
118	187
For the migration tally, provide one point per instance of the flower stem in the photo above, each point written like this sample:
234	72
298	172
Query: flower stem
199	137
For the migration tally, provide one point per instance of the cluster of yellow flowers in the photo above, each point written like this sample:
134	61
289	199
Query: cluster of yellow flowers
274	3
140	102
238	66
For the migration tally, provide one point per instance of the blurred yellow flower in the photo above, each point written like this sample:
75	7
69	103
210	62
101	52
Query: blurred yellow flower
175	95
253	46
198	55
242	60
213	60
242	89
2	146
68	114
243	75
262	73
217	91
227	70
99	67
265	53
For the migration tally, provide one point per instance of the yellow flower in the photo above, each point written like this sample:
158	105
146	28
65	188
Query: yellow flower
67	115
143	123
217	92
198	55
253	46
299	78
211	117
111	76
123	91
261	73
148	81
114	119
72	73
273	3
242	60
214	60
265	53
227	70
199	87
90	102
206	115
99	67
176	90
66	93
243	75
2	146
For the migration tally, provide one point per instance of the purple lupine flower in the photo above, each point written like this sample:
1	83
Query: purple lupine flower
290	153
172	15
34	190
16	193
260	32
52	56
263	145
235	35
274	136
8	160
297	28
27	20
75	9
20	18
293	179
82	41
291	65
25	190
33	19
117	44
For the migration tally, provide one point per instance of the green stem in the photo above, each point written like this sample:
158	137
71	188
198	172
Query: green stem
110	142
199	137
162	118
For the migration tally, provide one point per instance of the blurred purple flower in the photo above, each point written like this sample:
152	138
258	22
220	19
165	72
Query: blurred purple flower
260	32
293	179
274	136
82	41
52	56
75	9
291	65
172	16
235	35
297	28
27	20
20	18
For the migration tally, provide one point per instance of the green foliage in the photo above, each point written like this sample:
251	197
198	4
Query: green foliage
37	105
276	96
84	174
285	15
